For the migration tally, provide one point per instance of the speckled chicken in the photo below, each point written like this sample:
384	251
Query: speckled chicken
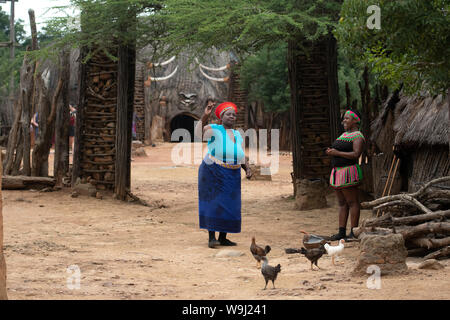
258	252
269	272
313	255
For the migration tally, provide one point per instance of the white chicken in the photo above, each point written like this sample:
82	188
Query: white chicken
334	251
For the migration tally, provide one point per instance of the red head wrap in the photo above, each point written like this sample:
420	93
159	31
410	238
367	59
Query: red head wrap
221	108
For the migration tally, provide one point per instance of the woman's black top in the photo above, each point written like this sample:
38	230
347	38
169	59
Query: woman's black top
345	144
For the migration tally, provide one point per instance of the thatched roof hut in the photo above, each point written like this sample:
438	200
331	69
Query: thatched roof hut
418	129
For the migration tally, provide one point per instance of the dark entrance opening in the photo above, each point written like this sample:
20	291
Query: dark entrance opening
186	122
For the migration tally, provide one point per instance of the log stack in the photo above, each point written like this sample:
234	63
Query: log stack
139	105
420	217
315	122
239	97
98	134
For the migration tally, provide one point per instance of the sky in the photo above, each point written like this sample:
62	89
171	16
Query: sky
40	8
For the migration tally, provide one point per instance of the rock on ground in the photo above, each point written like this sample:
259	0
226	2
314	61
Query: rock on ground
388	252
432	264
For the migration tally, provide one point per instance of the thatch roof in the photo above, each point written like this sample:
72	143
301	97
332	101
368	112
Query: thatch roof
413	121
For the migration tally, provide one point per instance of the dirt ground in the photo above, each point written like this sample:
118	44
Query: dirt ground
129	251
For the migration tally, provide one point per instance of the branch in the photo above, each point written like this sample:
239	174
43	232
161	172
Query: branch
421	217
444	252
395	200
441	227
408	197
430	243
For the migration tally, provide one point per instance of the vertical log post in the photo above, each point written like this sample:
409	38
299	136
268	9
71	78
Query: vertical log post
27	89
124	115
333	89
61	161
125	89
295	112
3	295
78	143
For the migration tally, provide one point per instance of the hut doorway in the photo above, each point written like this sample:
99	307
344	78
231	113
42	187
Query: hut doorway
184	121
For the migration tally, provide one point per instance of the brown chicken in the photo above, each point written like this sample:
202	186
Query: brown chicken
313	255
258	252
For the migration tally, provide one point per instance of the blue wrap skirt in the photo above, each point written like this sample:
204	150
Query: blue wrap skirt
219	196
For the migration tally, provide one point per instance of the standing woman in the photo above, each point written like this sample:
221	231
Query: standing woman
219	175
346	174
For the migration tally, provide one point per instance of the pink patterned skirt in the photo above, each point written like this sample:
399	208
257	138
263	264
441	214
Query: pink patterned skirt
344	177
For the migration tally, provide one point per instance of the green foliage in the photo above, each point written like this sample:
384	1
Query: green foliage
265	76
410	48
351	75
6	67
176	25
244	25
105	24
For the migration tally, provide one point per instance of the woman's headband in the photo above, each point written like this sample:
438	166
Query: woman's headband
223	107
354	115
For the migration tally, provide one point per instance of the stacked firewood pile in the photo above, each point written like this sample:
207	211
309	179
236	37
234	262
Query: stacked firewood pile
99	127
420	217
139	107
315	126
239	97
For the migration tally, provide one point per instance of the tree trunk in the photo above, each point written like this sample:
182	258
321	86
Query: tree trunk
314	106
3	295
125	92
19	154
47	115
14	135
295	112
61	161
27	89
39	167
78	143
365	109
19	143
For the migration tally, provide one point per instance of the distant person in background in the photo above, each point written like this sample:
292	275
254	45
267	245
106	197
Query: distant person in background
73	117
35	128
134	126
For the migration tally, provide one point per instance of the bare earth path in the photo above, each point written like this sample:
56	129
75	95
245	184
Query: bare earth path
128	251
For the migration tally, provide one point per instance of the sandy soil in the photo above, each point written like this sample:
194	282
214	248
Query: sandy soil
128	251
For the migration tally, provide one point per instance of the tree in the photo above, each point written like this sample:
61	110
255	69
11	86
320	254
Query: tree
99	25
6	67
411	46
243	25
265	76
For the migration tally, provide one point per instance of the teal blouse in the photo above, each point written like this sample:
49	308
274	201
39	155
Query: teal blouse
220	145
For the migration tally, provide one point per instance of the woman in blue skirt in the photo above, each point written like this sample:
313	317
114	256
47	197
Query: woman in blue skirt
219	175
